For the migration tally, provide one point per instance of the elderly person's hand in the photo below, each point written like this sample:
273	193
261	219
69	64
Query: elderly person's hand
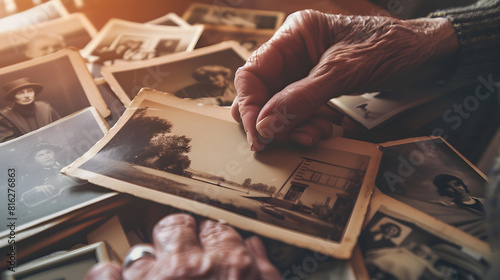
313	57
182	250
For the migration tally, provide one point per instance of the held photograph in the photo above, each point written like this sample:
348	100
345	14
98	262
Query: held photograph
374	109
198	13
37	190
121	40
249	39
40	91
399	242
194	157
74	30
205	74
428	174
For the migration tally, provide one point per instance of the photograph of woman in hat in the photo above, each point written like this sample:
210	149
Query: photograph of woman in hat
25	114
213	86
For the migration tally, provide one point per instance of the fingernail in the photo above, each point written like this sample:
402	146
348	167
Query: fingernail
269	125
302	138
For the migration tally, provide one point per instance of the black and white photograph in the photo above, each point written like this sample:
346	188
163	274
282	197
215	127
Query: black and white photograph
121	40
33	97
170	19
419	248
74	30
35	159
29	19
196	158
249	39
205	74
431	176
198	13
376	108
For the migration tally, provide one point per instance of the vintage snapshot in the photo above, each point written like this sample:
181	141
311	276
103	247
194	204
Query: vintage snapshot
39	91
204	74
431	176
30	18
375	108
68	265
74	30
121	40
402	243
250	39
194	157
198	13
37	191
170	19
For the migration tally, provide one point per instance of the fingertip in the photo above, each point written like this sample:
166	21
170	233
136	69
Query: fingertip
104	271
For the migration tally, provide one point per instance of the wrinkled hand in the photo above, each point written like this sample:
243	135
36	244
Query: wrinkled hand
313	57
184	251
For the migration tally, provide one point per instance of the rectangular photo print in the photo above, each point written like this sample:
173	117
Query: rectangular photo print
198	13
430	175
37	192
17	46
196	158
28	19
121	40
399	242
376	108
205	74
170	19
250	39
42	90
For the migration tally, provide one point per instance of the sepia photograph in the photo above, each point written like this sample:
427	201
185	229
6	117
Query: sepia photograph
196	158
33	96
376	108
74	30
170	19
398	243
431	176
198	13
39	190
30	18
205	74
249	39
121	40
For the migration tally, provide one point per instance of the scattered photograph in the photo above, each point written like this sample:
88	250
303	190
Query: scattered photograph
38	191
74	30
431	176
30	18
198	13
40	91
121	40
398	243
205	74
196	158
249	39
170	19
376	108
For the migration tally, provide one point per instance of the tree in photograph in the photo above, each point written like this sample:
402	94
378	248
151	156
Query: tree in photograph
169	152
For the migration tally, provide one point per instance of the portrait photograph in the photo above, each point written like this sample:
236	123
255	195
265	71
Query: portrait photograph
40	191
376	108
198	13
421	248
170	19
74	30
249	39
42	90
205	74
196	158
28	19
431	176
139	44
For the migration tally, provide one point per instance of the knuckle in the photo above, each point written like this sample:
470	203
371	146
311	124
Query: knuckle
173	221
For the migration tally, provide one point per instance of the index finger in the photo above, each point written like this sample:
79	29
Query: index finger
176	233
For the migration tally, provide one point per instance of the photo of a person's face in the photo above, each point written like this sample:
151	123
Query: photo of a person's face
44	45
45	158
216	79
456	189
25	96
390	231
